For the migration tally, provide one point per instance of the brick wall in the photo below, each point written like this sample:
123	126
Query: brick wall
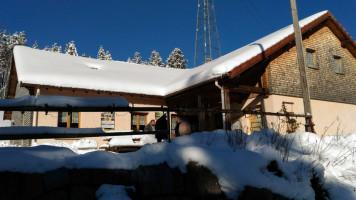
324	83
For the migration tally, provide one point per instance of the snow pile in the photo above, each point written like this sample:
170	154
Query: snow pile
236	158
4	123
5	143
78	146
85	144
132	140
113	192
64	101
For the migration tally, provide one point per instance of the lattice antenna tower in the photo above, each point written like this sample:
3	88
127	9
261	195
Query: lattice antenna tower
207	44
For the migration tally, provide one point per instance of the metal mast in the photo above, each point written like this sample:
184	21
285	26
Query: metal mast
207	44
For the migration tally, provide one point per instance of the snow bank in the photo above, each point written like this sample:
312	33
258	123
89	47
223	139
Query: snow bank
113	192
236	158
64	101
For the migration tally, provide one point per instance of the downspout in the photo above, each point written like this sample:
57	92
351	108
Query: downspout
35	116
35	113
223	107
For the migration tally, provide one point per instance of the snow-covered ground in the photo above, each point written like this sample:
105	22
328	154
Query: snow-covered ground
236	158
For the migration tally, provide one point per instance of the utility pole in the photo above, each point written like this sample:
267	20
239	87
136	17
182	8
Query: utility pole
303	75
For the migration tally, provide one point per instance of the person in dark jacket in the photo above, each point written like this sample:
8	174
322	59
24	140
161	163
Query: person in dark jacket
161	125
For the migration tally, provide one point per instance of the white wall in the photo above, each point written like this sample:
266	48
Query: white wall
329	117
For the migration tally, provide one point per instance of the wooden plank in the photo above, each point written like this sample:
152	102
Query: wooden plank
201	115
226	105
249	89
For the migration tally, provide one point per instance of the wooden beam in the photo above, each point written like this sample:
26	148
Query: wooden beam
201	116
302	68
249	89
344	43
253	103
226	105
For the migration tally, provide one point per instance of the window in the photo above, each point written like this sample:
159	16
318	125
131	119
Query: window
338	65
139	121
311	58
69	120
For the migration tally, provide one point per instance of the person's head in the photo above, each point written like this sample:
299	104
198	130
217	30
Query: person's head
153	122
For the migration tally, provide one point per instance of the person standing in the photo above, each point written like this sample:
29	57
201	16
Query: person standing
150	126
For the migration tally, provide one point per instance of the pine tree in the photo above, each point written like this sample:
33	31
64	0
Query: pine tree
35	45
54	47
176	60
108	56
129	60
59	49
71	49
101	53
137	58
7	43
47	48
17	39
156	59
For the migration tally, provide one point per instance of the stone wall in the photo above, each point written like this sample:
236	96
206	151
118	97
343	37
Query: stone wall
324	83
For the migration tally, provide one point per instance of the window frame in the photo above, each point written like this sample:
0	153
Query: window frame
312	56
137	117
339	69
69	120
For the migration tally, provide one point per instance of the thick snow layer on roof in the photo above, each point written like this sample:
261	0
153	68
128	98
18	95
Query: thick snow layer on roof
64	101
60	70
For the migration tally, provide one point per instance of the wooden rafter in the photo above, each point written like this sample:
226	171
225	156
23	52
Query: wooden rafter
249	89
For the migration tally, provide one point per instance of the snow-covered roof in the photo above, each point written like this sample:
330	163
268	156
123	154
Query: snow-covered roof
55	69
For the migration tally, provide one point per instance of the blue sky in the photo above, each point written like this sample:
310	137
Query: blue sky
126	26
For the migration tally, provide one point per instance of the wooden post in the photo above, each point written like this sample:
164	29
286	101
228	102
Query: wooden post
201	115
169	126
303	76
227	106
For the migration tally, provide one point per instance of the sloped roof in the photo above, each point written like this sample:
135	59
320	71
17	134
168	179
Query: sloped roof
40	67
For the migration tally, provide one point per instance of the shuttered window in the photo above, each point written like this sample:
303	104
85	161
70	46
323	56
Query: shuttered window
338	65
311	59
